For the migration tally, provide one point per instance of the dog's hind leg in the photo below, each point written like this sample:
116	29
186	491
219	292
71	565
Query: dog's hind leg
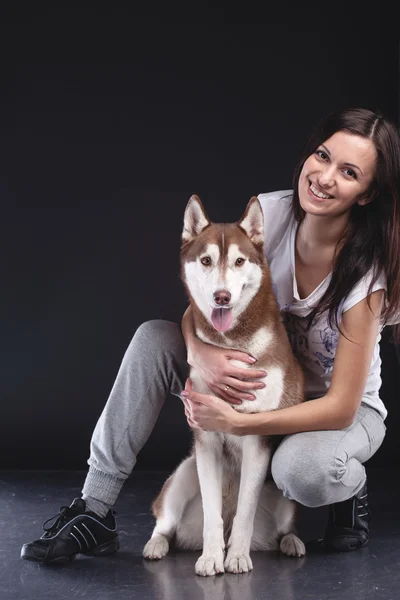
290	544
274	523
169	506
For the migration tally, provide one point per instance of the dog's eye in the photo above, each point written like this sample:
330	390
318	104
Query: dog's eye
206	261
239	262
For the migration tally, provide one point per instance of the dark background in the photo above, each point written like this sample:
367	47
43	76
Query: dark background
109	121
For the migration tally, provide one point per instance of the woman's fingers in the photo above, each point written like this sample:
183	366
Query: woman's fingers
231	395
245	374
243	386
242	356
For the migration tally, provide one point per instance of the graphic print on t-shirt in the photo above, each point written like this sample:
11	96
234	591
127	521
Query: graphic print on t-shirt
314	348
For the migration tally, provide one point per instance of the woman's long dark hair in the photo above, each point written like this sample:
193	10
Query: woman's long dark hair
371	241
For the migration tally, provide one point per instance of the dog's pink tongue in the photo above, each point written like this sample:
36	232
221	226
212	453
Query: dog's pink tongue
221	318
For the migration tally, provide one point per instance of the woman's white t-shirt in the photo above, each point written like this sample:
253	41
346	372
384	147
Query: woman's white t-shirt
314	348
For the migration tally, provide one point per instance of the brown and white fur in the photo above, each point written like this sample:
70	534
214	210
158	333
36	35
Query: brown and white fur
217	498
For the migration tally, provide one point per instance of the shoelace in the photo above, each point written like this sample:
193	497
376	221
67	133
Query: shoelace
66	512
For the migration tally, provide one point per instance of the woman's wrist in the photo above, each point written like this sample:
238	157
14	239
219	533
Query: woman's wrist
240	422
237	424
249	424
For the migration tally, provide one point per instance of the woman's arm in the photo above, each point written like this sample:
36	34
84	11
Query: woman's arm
335	410
338	407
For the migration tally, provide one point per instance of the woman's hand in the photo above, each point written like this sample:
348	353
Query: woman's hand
214	365
207	412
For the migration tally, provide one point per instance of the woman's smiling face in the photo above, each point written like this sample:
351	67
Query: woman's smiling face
337	175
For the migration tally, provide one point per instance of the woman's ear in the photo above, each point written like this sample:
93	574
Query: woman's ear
367	198
364	200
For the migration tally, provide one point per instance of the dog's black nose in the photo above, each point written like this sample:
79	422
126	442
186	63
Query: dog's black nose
222	297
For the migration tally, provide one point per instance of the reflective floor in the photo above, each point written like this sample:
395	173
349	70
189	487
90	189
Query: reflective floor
27	499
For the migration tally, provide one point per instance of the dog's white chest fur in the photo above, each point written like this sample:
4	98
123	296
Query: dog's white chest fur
267	398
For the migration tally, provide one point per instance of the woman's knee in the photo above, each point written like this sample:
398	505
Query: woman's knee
159	341
158	334
302	473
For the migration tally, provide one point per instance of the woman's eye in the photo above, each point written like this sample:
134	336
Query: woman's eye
351	173
322	154
206	261
239	262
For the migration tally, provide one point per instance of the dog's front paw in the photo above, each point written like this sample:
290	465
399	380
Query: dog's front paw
157	547
210	563
291	545
238	562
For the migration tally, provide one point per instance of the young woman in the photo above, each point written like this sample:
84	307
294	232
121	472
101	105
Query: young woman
333	246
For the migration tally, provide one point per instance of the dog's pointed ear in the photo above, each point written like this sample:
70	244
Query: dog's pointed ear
253	221
195	219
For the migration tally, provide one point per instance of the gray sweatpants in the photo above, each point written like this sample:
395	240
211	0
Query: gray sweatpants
314	468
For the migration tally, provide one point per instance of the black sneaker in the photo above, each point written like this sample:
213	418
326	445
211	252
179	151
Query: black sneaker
348	525
74	532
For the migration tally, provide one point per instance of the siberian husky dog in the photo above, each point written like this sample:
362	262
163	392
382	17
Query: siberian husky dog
218	499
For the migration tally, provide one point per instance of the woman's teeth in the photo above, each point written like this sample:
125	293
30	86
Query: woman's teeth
319	194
